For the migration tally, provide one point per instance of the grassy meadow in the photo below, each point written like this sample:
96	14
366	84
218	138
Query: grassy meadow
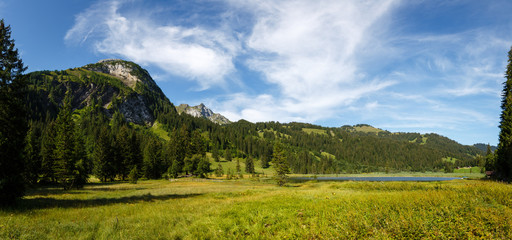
257	209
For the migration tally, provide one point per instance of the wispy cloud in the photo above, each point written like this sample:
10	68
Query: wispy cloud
195	53
309	50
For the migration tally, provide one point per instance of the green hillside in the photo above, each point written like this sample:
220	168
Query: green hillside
125	123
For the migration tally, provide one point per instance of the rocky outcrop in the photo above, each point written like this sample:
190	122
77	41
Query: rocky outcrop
202	111
135	110
117	68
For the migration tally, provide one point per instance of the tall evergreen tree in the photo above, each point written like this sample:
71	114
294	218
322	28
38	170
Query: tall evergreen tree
47	152
203	167
152	159
219	172
227	155
67	152
503	167
280	162
266	157
102	156
489	159
215	153
13	124
32	153
249	165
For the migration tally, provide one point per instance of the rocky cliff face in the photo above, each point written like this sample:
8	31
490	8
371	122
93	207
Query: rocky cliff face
202	111
117	68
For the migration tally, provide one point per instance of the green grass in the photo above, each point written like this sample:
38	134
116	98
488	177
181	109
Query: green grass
473	175
423	140
449	159
367	129
315	131
248	209
160	132
467	170
232	165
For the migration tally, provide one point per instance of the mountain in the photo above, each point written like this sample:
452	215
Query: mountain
202	111
483	147
116	85
430	139
120	100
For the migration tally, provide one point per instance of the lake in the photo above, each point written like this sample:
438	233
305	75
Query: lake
375	179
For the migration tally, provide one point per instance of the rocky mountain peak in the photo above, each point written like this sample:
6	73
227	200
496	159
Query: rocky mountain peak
202	111
128	72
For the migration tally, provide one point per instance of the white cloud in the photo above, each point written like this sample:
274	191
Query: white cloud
202	55
309	50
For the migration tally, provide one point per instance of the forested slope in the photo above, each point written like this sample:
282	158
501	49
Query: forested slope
115	103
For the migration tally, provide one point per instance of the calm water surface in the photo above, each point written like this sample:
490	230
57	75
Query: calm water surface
376	179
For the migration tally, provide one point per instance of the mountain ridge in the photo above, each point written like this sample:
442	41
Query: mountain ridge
202	111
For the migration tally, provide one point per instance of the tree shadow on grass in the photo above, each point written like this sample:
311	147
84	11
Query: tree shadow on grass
48	202
53	189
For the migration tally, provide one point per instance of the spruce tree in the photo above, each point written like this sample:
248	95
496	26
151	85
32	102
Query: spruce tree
13	124
102	156
489	159
266	158
47	152
280	162
203	167
238	169
32	153
503	167
215	154
249	165
227	155
151	159
67	152
219	172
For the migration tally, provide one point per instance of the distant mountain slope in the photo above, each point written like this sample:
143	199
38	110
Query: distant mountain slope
202	111
430	139
483	147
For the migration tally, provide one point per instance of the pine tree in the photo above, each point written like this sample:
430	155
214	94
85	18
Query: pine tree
32	153
249	165
133	176
179	149
197	143
47	152
102	156
227	154
266	158
82	163
191	163
280	162
69	166
203	167
219	172
151	160
215	154
13	124
489	159
503	167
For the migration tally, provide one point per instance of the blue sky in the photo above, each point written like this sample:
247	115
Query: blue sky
408	66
